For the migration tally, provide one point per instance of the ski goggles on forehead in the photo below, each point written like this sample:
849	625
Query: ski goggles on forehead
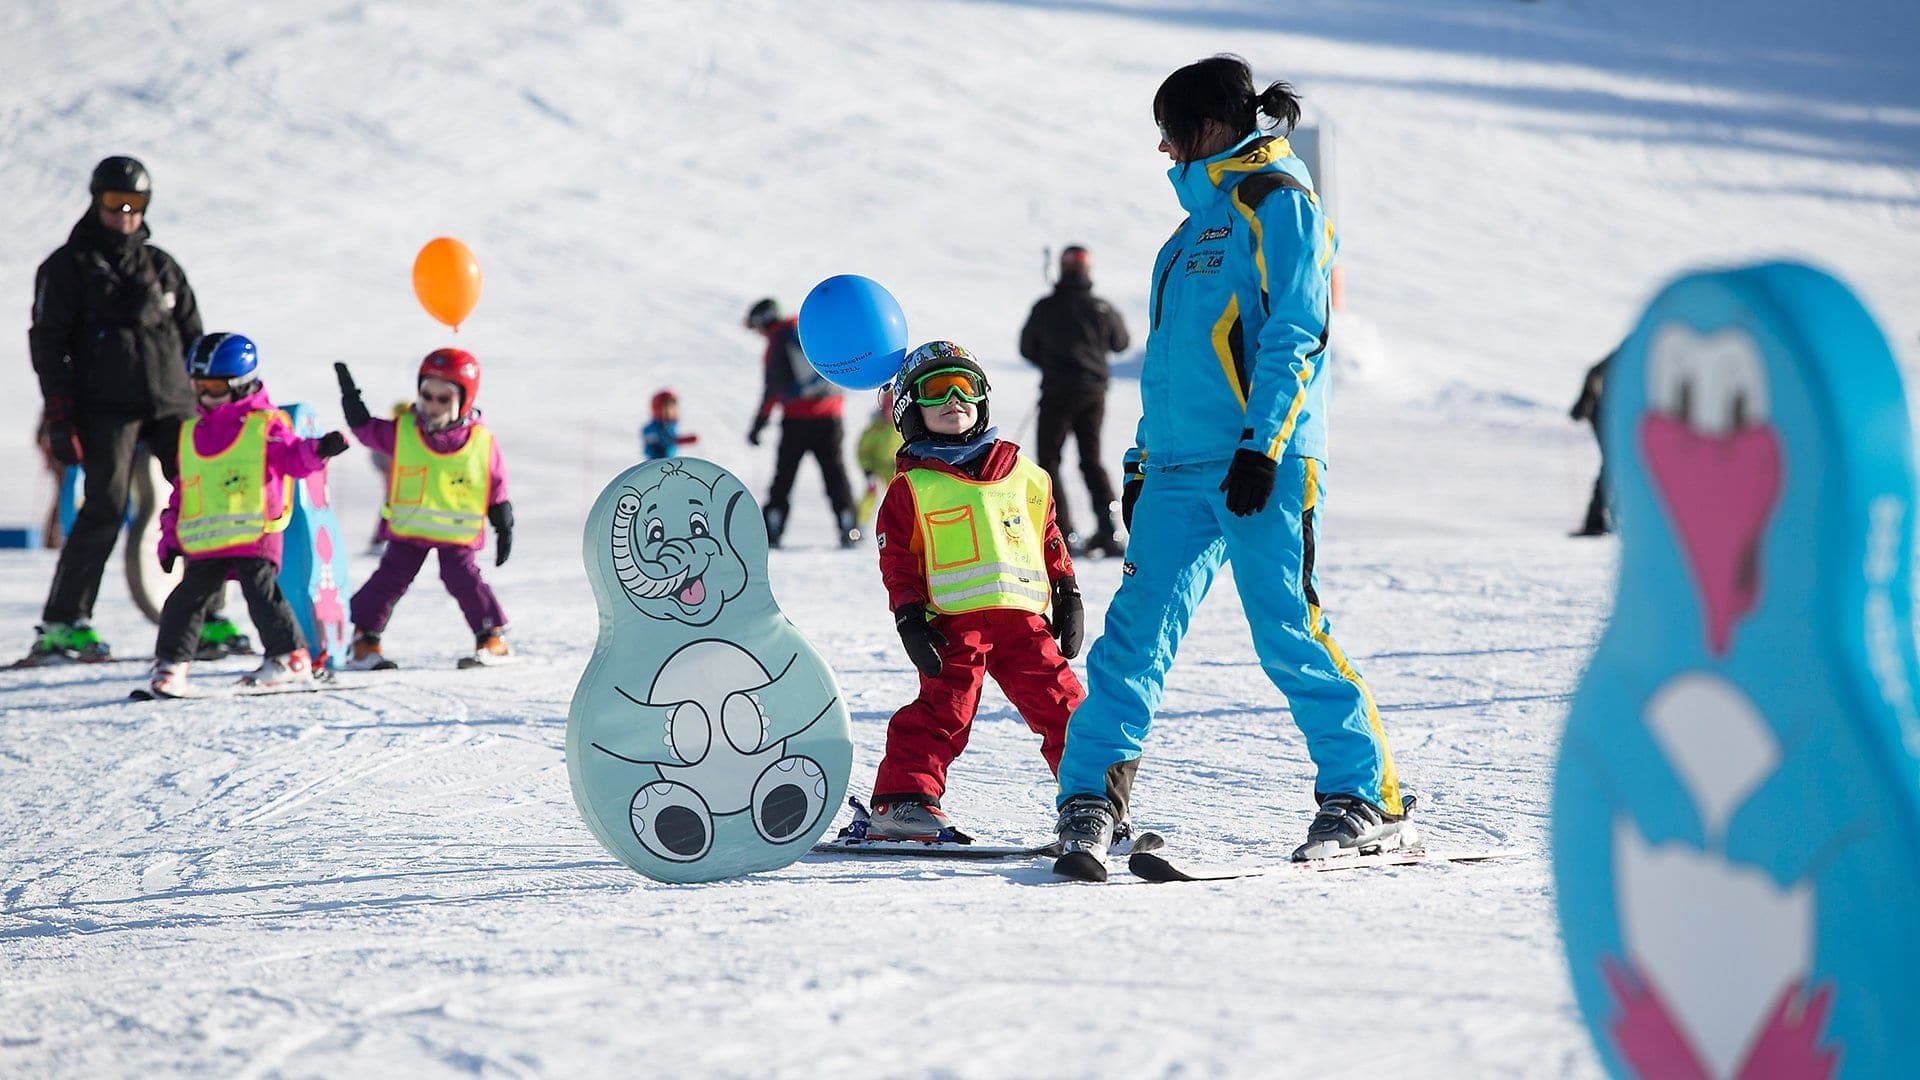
938	387
123	202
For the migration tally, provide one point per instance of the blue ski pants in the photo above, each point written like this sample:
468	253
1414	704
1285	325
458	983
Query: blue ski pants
1182	534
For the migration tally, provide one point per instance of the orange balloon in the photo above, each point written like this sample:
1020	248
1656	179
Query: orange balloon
446	278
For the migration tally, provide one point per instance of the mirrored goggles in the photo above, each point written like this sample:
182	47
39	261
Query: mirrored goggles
123	202
938	387
213	387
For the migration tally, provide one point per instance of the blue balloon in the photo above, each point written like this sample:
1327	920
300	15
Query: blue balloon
853	331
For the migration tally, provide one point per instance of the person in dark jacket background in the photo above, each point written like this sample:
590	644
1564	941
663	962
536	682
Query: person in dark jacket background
1068	336
810	409
112	317
1587	407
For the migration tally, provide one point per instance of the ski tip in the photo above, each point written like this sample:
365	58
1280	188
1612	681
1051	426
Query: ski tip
141	695
1080	866
1144	864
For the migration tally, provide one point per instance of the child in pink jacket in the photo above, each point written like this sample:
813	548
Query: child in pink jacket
231	501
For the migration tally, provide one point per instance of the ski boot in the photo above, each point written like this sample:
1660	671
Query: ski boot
912	818
61	643
776	520
1106	539
1350	825
489	647
220	638
366	654
1085	828
292	671
168	679
849	529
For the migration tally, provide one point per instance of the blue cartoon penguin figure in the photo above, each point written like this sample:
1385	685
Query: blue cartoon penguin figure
707	739
1736	818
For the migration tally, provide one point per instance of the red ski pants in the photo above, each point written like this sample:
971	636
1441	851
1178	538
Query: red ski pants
1015	648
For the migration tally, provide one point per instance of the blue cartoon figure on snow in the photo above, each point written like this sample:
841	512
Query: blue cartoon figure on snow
707	738
1737	806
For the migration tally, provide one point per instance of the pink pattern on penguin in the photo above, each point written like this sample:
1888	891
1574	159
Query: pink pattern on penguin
1719	491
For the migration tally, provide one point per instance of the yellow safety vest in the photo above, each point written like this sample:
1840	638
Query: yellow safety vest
223	498
440	498
981	541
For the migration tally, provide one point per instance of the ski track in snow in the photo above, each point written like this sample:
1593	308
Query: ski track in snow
391	878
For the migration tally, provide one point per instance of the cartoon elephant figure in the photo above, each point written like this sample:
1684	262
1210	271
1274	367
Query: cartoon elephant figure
707	739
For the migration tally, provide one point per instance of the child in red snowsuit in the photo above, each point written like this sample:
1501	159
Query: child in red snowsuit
971	559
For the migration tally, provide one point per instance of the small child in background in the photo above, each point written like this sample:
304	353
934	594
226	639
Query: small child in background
446	481
970	556
232	500
661	437
879	442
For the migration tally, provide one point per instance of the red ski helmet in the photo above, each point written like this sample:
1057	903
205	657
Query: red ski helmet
456	366
663	399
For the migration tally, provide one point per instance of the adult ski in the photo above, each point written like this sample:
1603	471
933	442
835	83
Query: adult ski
1156	868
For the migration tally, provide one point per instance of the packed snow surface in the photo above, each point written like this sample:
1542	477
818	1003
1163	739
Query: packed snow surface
391	879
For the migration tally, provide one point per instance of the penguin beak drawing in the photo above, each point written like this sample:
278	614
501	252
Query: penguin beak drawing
1715	457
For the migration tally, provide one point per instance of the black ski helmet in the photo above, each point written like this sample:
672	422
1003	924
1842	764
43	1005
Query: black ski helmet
120	174
763	314
925	360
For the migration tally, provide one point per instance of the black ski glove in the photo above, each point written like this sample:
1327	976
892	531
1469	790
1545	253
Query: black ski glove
922	641
63	442
332	444
1068	617
501	514
351	404
753	433
1249	482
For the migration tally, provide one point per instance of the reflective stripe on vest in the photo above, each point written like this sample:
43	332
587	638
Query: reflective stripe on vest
440	498
981	542
223	497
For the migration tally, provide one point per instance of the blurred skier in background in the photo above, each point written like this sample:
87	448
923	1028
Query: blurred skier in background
1228	465
661	437
1587	407
1069	335
810	408
878	443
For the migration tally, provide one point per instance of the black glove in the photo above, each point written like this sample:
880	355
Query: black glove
1249	482
1068	617
753	434
1129	494
167	558
351	404
63	442
332	444
920	638
501	514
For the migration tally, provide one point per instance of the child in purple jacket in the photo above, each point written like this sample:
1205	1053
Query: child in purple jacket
447	479
233	498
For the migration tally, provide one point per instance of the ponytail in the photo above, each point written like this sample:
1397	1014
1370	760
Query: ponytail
1282	106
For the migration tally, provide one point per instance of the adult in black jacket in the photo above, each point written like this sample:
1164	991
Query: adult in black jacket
112	316
1592	390
1068	336
810	424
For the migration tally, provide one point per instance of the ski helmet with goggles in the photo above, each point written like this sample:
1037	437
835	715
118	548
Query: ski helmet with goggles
763	314
232	357
456	366
120	174
930	375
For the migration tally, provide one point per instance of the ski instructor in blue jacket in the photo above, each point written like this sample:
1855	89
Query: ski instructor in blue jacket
1229	465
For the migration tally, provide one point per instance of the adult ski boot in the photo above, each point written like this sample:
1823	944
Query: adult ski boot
849	529
1350	825
220	638
1085	828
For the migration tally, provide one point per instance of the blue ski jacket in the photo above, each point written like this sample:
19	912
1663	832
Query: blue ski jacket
1236	355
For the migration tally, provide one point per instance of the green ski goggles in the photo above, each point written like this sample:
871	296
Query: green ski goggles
940	386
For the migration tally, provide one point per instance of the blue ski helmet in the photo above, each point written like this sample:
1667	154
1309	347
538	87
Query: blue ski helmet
222	356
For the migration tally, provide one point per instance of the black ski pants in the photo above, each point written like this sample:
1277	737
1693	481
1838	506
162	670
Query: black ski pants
186	607
1081	413
822	437
107	443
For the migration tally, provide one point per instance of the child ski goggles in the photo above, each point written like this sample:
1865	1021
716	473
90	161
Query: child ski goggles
213	387
123	202
939	387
